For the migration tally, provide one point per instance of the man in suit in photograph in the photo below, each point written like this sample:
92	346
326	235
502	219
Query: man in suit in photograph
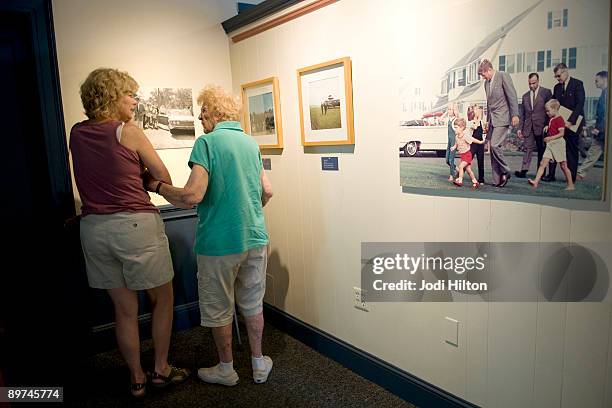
570	94
533	121
598	145
502	107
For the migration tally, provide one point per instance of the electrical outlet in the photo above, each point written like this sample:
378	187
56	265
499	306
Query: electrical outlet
359	299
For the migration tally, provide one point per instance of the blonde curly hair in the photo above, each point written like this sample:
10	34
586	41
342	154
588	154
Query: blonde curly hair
222	105
102	90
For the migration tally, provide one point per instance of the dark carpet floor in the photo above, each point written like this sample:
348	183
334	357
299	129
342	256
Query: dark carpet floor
301	377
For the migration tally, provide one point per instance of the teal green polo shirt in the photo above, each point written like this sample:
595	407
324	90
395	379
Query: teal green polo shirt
230	217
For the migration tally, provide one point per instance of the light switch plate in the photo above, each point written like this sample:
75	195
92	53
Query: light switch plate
451	331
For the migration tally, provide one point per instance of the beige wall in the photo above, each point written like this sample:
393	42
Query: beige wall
180	44
509	355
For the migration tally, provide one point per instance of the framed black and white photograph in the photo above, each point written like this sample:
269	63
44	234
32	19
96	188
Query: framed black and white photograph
166	116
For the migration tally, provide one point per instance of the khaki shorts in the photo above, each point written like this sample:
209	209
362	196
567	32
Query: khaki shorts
555	150
221	279
126	250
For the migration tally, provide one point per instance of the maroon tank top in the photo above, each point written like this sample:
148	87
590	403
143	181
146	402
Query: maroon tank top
108	175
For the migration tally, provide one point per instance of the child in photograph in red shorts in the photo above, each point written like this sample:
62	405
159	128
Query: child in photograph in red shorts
555	145
463	140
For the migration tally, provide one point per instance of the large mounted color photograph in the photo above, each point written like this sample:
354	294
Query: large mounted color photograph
539	51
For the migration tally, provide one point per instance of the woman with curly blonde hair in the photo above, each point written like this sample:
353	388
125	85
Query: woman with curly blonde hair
122	234
229	186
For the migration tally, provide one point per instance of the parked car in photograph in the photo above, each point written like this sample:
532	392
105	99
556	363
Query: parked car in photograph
180	119
413	139
413	122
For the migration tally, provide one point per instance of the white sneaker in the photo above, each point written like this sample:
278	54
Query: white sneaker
261	376
213	375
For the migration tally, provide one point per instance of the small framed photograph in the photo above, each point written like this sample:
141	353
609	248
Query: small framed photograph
326	103
262	114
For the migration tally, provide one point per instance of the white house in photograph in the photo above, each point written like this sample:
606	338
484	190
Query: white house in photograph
575	32
413	103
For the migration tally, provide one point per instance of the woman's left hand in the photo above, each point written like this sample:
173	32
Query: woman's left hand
148	181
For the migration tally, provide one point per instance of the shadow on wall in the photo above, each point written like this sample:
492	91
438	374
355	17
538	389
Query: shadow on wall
277	281
272	151
329	149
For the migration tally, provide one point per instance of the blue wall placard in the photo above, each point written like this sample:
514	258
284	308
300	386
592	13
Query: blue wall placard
329	163
267	164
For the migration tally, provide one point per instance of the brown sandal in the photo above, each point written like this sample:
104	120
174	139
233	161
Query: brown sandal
176	376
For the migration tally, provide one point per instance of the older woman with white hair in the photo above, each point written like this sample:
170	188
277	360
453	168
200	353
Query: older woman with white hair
229	187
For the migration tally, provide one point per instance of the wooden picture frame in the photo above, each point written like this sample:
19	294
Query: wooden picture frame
325	93
258	98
